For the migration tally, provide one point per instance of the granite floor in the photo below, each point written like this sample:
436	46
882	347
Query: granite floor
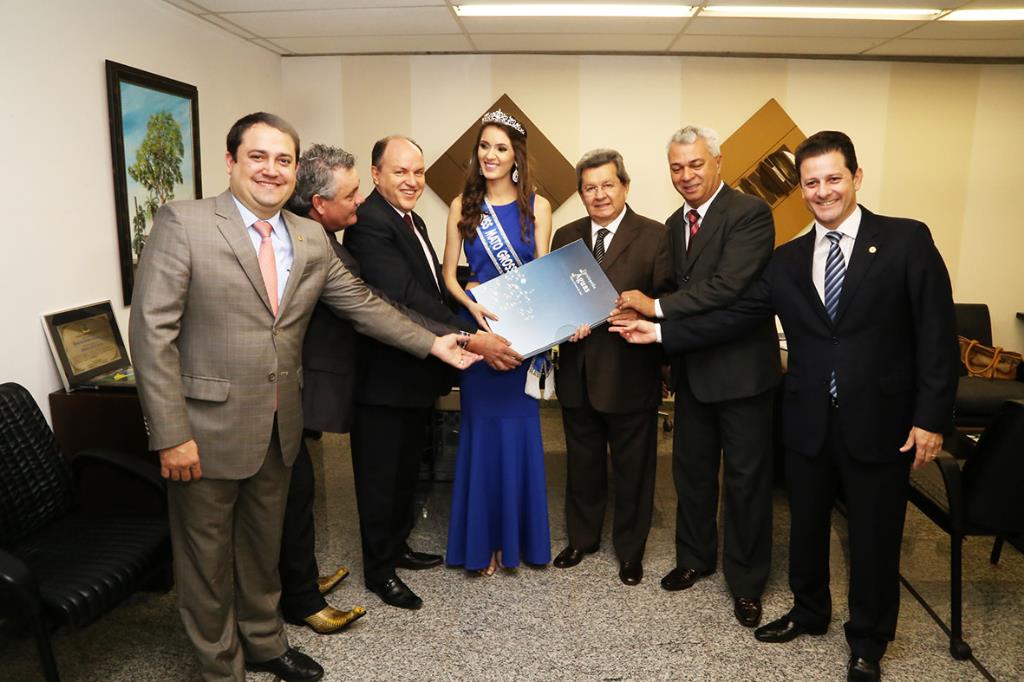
578	624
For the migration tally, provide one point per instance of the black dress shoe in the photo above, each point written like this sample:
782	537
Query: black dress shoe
748	611
570	556
784	630
396	593
417	561
631	572
291	666
681	578
863	670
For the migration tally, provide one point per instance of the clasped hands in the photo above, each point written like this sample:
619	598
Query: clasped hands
627	317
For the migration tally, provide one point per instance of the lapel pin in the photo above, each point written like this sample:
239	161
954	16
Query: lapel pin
871	249
300	239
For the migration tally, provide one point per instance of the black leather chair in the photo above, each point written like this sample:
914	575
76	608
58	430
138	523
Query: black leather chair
64	562
977	398
978	495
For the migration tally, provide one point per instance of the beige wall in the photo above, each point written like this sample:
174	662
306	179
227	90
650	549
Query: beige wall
58	227
937	142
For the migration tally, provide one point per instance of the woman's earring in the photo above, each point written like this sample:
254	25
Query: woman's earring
515	173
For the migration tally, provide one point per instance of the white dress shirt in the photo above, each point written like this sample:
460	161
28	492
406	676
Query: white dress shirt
612	227
423	243
848	229
280	240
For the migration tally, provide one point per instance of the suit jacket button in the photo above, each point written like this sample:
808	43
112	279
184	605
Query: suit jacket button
271	377
835	341
276	331
686	278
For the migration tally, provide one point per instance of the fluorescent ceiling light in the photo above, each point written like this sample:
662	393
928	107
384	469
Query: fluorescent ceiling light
787	12
985	15
574	10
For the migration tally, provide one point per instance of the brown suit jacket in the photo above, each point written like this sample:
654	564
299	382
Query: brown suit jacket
211	360
618	377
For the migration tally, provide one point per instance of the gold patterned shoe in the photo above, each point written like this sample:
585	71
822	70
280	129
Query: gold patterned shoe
329	619
326	583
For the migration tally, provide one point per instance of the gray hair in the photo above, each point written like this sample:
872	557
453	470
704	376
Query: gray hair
596	158
316	175
689	135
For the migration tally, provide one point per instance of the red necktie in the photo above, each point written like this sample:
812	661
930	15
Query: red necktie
694	219
268	263
408	221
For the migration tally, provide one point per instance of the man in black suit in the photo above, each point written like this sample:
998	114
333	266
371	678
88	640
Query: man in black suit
610	391
867	308
721	240
326	190
393	396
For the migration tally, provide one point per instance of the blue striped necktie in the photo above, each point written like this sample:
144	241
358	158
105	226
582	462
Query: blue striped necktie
835	273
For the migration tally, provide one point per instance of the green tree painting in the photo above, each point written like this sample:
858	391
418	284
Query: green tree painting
157	167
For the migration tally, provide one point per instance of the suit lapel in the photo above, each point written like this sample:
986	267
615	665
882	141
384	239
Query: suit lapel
805	257
300	254
709	225
421	229
623	236
234	231
861	260
409	241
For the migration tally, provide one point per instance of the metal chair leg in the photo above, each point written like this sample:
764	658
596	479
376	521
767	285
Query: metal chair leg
997	549
958	648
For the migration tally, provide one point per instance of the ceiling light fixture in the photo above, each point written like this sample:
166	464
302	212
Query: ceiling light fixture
985	15
787	12
575	10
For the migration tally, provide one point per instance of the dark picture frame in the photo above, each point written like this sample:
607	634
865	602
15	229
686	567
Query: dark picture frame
154	141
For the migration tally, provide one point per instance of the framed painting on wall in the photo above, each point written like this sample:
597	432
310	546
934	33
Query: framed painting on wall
154	140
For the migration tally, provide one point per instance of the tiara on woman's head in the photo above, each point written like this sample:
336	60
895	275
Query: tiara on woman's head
499	116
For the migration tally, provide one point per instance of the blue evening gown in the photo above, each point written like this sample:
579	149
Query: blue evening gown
499	497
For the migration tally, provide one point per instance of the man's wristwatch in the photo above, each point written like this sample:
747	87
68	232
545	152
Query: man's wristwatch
463	339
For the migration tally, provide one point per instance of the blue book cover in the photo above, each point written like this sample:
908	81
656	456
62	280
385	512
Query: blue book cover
542	303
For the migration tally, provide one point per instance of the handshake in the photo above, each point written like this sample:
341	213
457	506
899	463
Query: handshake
627	319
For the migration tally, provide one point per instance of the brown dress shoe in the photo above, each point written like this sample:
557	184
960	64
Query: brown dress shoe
747	611
326	583
681	579
329	620
570	556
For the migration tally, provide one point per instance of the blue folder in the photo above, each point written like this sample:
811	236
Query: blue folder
542	303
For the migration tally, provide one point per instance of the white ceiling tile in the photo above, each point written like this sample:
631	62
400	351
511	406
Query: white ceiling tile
909	4
592	25
970	30
908	47
529	42
227	25
409	21
375	44
730	26
770	45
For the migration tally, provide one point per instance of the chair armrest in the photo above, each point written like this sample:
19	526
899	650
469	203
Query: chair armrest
110	481
952	477
145	471
18	586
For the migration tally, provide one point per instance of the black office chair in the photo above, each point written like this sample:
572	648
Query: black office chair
64	562
979	495
977	398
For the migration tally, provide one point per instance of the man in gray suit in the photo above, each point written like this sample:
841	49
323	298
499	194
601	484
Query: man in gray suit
224	293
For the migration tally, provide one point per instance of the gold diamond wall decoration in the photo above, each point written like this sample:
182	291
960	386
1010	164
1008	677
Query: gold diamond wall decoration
553	176
758	159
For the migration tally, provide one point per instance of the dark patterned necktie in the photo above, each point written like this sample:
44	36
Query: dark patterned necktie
835	273
692	217
599	244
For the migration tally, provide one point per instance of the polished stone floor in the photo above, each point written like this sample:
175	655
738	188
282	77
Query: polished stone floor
577	624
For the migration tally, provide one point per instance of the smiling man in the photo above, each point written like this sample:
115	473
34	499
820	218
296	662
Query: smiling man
721	241
609	392
224	292
866	304
395	392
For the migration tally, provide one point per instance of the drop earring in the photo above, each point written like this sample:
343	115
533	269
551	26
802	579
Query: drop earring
515	174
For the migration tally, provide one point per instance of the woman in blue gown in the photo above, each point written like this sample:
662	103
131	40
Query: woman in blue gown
499	513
